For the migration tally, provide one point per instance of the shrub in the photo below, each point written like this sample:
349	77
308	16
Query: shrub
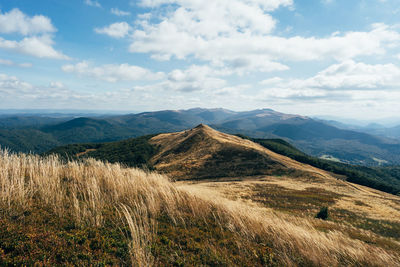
322	214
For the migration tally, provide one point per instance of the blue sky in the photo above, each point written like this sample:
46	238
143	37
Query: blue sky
310	57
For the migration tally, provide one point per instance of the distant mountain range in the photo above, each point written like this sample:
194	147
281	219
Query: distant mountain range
372	128
319	138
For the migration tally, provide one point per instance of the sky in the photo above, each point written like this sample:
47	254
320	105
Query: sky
310	57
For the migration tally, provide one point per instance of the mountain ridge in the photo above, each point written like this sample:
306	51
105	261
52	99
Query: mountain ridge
203	153
312	136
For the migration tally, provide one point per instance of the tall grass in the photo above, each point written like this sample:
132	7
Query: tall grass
87	190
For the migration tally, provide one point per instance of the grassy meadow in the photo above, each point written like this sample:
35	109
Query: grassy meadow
55	213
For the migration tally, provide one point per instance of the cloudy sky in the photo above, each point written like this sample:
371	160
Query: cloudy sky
310	57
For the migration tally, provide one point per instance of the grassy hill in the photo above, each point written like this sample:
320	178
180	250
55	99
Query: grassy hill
91	213
205	153
386	179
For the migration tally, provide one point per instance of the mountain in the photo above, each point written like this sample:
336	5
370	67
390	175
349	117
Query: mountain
390	132
198	153
18	121
315	137
27	140
203	153
312	136
376	129
88	130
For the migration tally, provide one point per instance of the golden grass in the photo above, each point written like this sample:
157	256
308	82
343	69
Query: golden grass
292	235
208	141
378	205
87	189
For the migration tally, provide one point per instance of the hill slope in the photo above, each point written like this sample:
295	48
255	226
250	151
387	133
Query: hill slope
198	153
91	213
386	179
203	152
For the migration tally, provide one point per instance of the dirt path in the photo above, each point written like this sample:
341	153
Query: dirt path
85	152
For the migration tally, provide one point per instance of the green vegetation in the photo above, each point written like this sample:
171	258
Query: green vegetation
134	152
27	140
203	242
37	236
386	179
322	213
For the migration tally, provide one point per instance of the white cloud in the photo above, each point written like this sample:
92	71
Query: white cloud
38	43
115	30
271	81
17	22
266	5
119	12
219	18
37	46
92	3
345	81
12	85
162	39
6	62
239	34
12	63
194	78
350	75
113	73
25	65
398	56
15	93
209	32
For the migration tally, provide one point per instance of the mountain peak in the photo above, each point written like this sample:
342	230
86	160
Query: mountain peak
201	125
203	152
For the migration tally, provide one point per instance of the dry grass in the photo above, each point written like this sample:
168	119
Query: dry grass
203	152
376	205
291	235
86	190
